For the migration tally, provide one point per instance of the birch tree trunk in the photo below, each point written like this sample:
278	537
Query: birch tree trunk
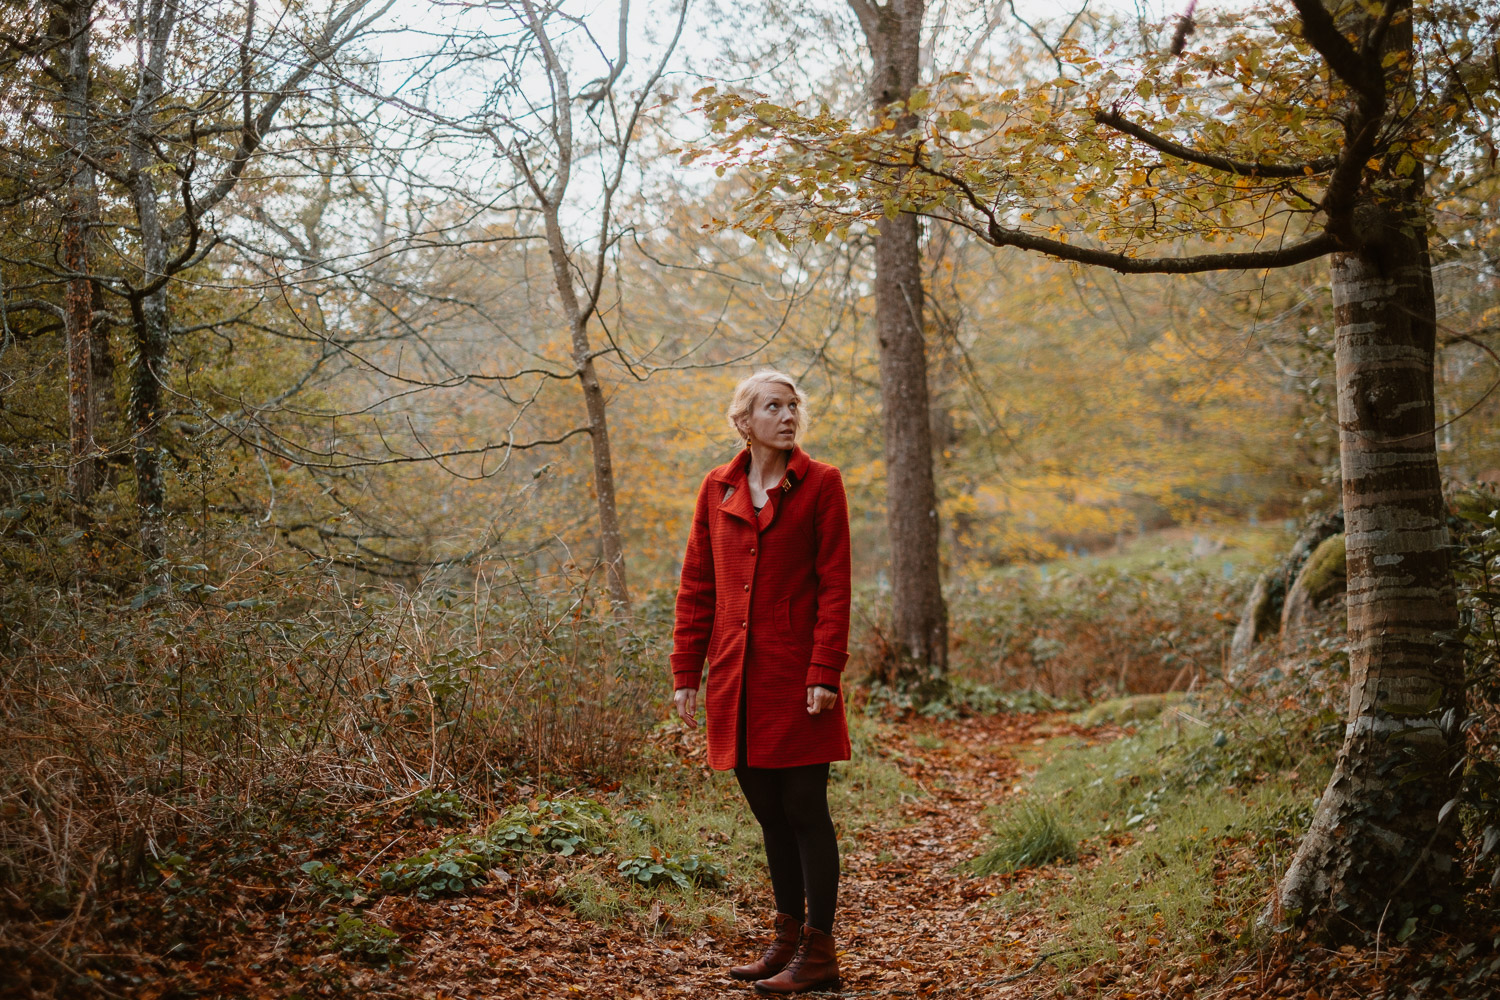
919	616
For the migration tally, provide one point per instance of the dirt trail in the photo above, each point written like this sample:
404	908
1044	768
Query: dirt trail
909	925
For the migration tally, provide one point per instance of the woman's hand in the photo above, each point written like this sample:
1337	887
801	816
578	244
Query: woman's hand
819	698
686	700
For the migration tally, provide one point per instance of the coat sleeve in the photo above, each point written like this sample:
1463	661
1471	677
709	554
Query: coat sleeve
695	599
831	631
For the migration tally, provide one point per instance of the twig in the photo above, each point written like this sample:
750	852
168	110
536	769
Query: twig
1034	966
387	847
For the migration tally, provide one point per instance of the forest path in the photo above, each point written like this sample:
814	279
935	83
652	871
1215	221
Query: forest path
910	923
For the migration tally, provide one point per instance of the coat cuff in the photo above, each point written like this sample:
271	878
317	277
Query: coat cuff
826	676
829	656
686	674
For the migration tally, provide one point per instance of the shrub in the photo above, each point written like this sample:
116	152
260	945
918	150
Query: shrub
454	867
437	807
329	881
214	723
659	869
561	826
1092	627
359	938
460	864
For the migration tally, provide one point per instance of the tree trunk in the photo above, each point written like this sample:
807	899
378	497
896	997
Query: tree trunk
148	304
1376	853
79	215
919	617
611	547
149	325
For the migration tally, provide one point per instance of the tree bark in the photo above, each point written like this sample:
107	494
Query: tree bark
1380	847
80	212
1377	851
919	616
148	304
612	548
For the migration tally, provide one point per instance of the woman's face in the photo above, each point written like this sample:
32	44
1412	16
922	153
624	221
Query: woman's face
774	417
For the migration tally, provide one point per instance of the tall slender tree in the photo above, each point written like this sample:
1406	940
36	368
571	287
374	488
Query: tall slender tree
548	171
919	616
73	24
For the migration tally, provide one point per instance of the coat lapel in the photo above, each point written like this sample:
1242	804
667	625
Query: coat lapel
735	498
735	482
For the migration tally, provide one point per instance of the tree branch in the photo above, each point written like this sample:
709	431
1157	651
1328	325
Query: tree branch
253	131
1309	249
869	17
1244	168
1324	35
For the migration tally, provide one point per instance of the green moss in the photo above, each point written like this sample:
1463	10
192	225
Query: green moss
1135	708
1325	571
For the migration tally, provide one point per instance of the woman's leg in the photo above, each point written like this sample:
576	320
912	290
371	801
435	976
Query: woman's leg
804	801
763	790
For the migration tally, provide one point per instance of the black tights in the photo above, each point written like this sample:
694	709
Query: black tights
802	850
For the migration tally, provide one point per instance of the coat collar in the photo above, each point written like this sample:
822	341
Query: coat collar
736	471
734	478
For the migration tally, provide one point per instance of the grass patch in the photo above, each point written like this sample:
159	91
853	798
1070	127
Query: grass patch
695	824
1180	830
1028	837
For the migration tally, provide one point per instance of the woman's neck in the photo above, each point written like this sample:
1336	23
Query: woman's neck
767	464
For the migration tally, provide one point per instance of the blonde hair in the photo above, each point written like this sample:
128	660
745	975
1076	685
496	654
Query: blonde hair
747	394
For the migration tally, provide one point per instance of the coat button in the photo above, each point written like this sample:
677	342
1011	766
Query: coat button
747	588
752	552
744	624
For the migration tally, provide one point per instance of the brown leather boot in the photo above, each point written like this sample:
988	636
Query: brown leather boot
814	967
788	931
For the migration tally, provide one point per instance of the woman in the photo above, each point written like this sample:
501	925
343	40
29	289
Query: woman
765	599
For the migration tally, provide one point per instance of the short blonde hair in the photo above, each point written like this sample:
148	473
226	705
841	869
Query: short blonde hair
747	394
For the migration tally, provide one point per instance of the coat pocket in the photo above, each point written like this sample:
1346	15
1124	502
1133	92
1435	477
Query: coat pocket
716	635
781	618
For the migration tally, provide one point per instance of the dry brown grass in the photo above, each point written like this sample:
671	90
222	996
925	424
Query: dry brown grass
127	737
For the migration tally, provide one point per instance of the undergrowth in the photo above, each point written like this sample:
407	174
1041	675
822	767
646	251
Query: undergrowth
181	746
1149	619
1178	828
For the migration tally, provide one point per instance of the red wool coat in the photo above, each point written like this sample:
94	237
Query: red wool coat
766	601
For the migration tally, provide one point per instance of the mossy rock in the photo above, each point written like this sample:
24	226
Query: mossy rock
1323	577
1133	708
